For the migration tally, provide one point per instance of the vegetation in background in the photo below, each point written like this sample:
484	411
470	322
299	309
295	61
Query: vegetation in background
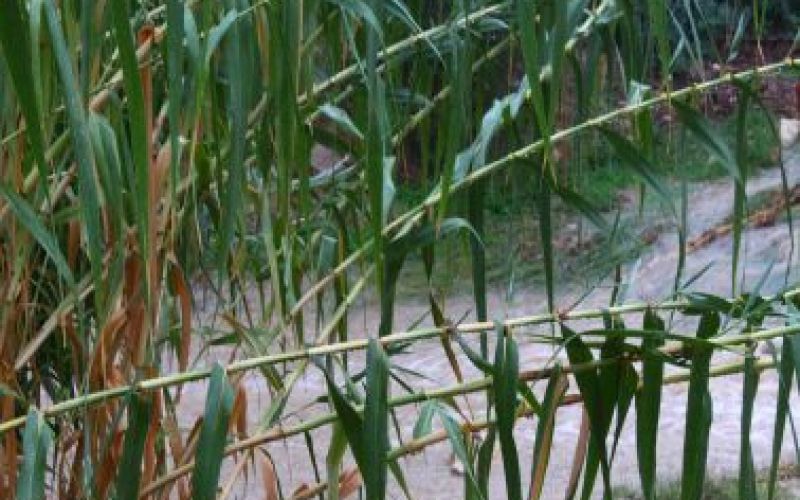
716	489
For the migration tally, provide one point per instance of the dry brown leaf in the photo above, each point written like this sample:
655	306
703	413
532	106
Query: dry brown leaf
102	356
239	411
73	242
269	477
74	489
302	491
185	298
580	456
150	458
134	303
108	465
538	476
349	482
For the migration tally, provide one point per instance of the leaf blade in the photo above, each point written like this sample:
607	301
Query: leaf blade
213	435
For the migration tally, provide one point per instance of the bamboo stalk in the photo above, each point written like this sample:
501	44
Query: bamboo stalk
720	371
419	444
389	52
417	118
415	214
395	338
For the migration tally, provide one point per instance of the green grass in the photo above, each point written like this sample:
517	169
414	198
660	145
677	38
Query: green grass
513	250
678	156
513	256
715	489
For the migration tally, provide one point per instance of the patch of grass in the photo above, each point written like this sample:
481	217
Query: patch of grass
715	489
514	260
679	156
513	256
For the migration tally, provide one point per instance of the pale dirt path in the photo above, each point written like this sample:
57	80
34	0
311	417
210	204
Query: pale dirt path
429	474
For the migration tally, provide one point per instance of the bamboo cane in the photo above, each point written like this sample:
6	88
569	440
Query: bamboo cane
402	337
418	445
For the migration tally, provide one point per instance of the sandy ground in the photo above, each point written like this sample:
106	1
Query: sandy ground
430	474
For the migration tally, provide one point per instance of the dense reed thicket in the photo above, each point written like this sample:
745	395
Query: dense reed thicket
255	149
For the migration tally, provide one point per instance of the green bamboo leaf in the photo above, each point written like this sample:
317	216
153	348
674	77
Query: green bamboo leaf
237	115
596	407
87	41
8	392
35	23
527	395
506	367
699	412
657	17
213	435
561	25
138	121
459	73
739	196
535	55
484	466
700	303
16	44
475	218
312	455
400	478
532	42
395	255
474	157
175	27
109	170
31	222
634	60
611	380
82	147
388	187
196	56
628	385
341	118
424	424
351	422
746	87
747	475
738	35
648	405
376	415
363	10
583	206
683	228
333	460
377	134
475	358
709	138
556	388
399	10
130	468
795	345
36	441
634	159
216	34
392	265
546	235
456	437
786	368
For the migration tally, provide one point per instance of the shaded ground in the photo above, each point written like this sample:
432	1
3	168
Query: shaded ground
766	251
